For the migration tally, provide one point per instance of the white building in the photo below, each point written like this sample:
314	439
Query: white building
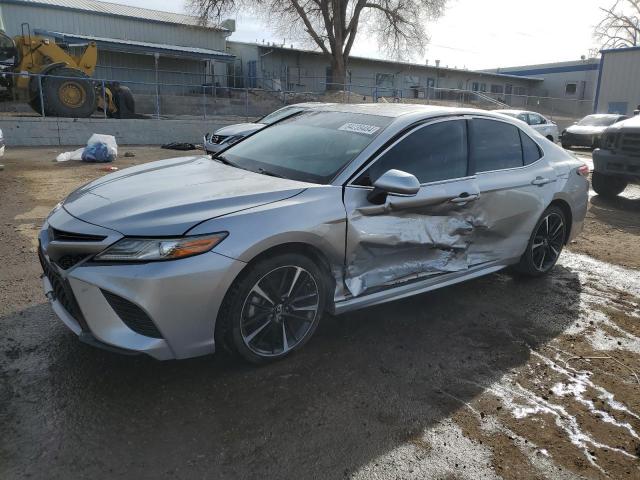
618	89
281	68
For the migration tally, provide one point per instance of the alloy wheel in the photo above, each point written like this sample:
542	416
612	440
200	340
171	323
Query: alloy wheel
547	242
279	311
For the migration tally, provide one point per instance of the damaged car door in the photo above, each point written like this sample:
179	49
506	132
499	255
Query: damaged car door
395	237
516	184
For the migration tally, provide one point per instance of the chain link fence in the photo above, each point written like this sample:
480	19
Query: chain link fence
197	96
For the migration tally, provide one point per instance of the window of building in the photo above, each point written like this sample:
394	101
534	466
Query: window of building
475	86
497	88
483	87
431	153
571	88
521	91
495	145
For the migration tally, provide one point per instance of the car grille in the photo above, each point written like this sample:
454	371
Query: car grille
62	291
132	315
62	236
630	143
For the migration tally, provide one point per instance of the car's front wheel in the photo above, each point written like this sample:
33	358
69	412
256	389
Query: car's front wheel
545	244
606	185
273	309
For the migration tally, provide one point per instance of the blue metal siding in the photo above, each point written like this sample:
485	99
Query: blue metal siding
547	70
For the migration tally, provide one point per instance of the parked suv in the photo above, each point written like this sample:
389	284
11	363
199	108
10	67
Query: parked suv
617	161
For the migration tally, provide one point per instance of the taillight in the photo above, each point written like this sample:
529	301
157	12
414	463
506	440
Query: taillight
583	170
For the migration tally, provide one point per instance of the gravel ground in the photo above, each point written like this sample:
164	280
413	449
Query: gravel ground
496	378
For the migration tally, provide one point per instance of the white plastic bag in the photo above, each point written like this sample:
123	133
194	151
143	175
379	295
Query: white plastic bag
100	149
109	142
66	156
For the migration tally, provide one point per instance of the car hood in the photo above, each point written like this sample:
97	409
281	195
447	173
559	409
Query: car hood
239	129
585	130
169	197
633	122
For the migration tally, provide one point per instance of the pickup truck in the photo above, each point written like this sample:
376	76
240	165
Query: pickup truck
617	161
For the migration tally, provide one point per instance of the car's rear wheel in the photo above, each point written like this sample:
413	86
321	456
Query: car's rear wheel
545	244
273	309
607	185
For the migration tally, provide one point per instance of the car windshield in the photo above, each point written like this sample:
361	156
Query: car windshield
285	112
598	121
312	147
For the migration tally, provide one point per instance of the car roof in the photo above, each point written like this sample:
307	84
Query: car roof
397	110
604	115
513	111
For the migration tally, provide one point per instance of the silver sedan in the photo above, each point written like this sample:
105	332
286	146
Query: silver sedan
337	208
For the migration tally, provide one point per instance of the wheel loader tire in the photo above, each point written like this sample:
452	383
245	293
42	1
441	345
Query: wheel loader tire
72	96
34	96
125	104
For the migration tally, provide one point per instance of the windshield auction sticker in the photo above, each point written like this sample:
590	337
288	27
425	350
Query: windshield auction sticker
359	128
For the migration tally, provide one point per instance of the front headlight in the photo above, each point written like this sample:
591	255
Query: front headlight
154	249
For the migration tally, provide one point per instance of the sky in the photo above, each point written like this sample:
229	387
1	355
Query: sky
473	34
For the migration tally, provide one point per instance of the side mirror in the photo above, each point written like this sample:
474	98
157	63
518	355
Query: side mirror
394	182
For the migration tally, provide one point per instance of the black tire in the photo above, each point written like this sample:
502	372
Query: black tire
125	104
279	324
550	138
73	96
534	261
606	185
34	95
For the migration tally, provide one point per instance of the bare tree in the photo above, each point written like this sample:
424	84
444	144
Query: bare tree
620	26
333	25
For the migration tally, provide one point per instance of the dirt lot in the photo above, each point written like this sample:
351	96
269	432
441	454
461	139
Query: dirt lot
496	378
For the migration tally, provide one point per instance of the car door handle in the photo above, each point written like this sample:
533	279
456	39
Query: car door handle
465	197
540	181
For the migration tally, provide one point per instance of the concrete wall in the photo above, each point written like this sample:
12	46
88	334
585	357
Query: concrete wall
619	90
34	131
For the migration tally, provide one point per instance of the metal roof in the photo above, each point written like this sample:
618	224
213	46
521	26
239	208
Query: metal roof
133	46
395	62
116	9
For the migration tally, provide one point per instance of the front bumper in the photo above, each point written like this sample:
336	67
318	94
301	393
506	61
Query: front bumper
616	164
181	298
212	147
578	140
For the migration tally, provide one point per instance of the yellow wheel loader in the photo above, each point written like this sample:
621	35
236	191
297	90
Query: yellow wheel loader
56	83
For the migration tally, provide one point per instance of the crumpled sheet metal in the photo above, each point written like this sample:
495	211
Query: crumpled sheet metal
395	247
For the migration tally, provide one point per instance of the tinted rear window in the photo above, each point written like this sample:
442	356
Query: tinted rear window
495	145
530	150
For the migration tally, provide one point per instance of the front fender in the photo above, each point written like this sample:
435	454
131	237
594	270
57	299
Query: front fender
315	217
